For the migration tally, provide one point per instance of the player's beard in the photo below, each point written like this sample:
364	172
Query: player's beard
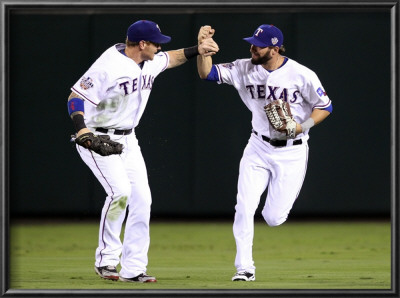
261	59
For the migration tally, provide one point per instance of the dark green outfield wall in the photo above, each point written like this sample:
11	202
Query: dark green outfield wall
193	133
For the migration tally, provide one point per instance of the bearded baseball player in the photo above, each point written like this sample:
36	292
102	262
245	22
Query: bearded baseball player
286	100
106	105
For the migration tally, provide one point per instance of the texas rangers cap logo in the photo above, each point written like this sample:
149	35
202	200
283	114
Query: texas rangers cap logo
258	31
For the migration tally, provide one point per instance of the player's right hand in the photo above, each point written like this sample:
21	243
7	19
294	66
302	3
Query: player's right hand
208	47
205	32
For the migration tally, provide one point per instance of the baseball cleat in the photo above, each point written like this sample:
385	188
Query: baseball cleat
107	272
143	277
244	276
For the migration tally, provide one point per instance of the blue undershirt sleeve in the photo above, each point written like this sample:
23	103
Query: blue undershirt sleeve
329	109
213	75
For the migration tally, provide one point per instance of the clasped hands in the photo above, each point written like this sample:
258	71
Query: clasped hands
207	46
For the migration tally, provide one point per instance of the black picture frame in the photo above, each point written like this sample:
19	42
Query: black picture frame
198	7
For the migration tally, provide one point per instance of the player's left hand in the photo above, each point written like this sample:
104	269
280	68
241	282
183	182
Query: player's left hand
101	144
208	47
281	118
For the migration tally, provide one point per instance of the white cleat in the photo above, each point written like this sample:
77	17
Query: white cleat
244	276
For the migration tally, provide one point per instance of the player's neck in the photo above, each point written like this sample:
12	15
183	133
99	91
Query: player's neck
274	63
134	55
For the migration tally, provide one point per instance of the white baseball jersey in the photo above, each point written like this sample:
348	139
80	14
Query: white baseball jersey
116	89
292	82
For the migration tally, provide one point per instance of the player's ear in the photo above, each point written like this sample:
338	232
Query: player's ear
274	50
142	44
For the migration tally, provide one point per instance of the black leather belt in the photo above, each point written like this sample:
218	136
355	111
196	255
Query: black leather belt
116	131
278	143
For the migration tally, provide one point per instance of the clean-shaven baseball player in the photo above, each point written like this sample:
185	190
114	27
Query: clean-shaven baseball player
109	99
271	159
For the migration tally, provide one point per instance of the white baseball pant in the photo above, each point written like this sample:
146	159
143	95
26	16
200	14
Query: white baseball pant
282	170
124	178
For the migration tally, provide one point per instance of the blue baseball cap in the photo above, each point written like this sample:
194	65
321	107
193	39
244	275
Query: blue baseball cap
147	31
266	36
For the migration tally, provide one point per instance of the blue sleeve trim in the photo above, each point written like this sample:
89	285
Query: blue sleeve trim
75	105
213	75
329	109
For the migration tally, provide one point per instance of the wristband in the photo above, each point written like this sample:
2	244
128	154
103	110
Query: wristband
75	105
79	122
191	52
307	124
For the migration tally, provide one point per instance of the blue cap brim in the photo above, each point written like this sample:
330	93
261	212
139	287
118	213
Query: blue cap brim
161	39
255	42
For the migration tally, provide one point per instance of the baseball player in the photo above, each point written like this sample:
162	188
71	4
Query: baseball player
106	105
273	158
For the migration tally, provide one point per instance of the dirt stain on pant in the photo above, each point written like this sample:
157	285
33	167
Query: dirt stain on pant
116	208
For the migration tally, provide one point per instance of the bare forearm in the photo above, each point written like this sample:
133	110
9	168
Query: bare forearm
204	65
207	48
319	115
176	58
316	117
204	61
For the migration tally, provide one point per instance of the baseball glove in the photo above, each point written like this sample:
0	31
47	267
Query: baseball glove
281	118
101	144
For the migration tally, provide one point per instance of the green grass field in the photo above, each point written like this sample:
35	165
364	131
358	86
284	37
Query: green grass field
200	255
